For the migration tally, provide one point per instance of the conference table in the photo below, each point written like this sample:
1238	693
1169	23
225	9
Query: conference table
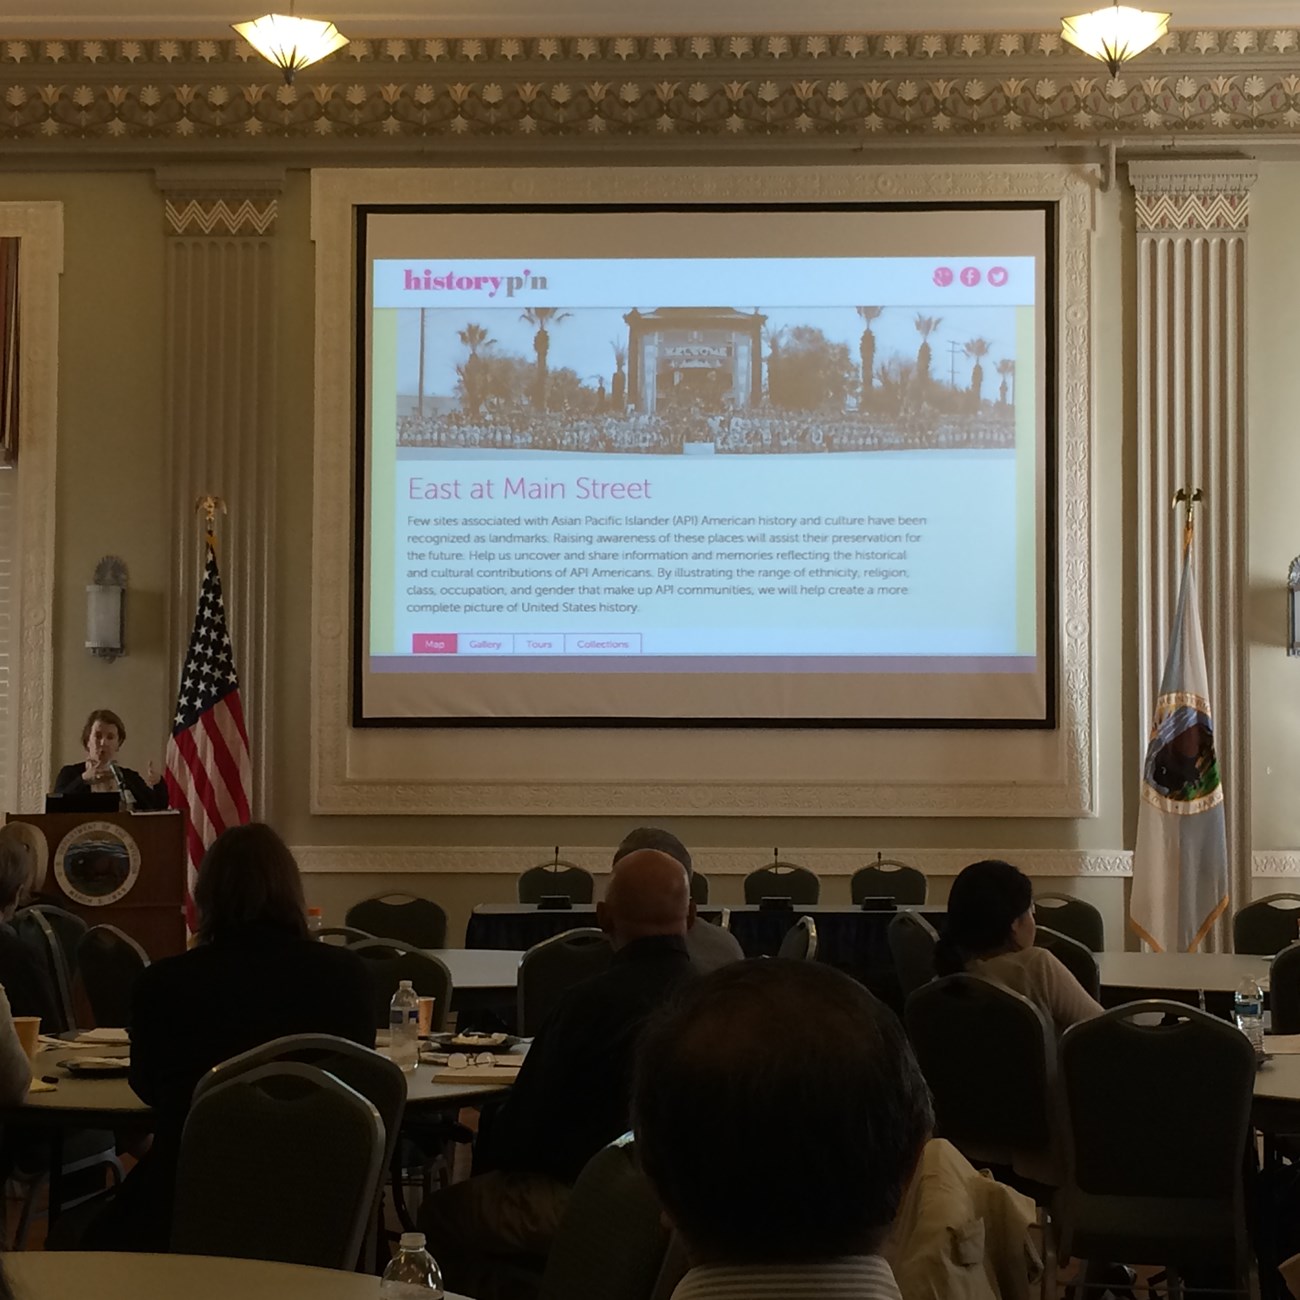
121	1275
848	938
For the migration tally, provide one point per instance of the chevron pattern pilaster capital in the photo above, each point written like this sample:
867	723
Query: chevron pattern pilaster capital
1193	195
217	216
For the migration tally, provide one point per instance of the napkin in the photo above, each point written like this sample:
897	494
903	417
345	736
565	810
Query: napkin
499	1073
105	1037
39	1085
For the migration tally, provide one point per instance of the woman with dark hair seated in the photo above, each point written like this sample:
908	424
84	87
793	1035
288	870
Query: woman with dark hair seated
989	932
253	976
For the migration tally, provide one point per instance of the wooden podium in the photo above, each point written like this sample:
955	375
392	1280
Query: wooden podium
122	869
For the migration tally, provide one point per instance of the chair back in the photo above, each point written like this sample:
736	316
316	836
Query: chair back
553	966
417	921
911	944
699	888
783	879
1077	959
389	963
1072	917
110	963
800	942
886	878
342	935
611	1241
1156	1110
989	1057
557	877
35	926
1284	990
281	1162
1267	925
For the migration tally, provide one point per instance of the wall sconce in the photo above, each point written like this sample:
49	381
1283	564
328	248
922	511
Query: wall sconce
1293	609
104	609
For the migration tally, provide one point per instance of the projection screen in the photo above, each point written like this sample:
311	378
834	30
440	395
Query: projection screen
711	466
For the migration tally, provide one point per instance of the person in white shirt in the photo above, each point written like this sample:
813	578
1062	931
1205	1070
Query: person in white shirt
989	931
779	1114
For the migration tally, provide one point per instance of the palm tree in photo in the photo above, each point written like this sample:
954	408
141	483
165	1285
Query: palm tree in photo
976	349
1007	369
925	326
618	387
475	338
543	320
867	350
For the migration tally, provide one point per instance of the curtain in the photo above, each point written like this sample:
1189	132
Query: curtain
9	350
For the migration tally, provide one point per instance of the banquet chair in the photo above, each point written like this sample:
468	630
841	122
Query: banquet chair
889	878
553	966
800	942
1155	1176
989	1057
349	934
281	1162
783	880
1284	990
611	1241
35	926
557	877
110	963
1267	925
419	922
1077	959
699	888
375	1077
1072	917
911	940
390	962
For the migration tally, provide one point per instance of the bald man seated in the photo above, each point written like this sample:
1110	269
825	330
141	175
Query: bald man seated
572	1095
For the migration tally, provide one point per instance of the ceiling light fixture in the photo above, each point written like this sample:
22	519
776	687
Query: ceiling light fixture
291	42
1115	34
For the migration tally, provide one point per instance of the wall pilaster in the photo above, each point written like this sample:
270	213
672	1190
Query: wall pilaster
1192	244
221	326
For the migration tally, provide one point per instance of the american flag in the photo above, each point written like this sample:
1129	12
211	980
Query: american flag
208	768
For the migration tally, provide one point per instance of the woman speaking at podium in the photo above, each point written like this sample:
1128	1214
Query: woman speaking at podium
101	773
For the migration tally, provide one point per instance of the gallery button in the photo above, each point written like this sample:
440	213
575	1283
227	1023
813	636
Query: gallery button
538	643
486	643
602	643
433	643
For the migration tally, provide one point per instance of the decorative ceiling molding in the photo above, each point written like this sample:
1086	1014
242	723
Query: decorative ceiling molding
394	96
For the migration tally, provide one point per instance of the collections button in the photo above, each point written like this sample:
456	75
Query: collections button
603	643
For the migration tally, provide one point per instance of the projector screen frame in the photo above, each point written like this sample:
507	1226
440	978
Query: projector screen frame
815	772
1048	208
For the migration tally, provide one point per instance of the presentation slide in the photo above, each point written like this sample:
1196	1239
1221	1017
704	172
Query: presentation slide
742	467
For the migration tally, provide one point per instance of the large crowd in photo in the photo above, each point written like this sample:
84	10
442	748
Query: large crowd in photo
762	432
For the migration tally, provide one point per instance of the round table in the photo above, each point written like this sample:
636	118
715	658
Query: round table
56	1275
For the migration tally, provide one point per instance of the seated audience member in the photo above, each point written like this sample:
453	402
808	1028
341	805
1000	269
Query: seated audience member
571	1097
25	980
253	976
989	932
737	1059
709	945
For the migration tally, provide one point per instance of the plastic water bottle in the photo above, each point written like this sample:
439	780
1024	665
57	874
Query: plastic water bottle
315	921
1248	1008
413	1273
404	1027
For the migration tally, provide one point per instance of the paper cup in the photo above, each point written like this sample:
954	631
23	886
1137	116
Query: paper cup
426	1015
29	1033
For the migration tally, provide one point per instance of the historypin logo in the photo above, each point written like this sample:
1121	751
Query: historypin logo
426	280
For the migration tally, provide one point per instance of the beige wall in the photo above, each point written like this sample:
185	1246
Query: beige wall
111	475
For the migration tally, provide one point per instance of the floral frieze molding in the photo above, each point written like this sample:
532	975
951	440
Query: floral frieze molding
396	95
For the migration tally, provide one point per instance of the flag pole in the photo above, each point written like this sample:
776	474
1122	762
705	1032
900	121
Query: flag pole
209	505
1191	498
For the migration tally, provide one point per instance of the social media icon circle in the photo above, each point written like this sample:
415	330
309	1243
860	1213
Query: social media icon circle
998	276
943	276
970	276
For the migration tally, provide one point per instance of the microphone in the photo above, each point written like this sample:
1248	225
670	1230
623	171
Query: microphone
127	797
